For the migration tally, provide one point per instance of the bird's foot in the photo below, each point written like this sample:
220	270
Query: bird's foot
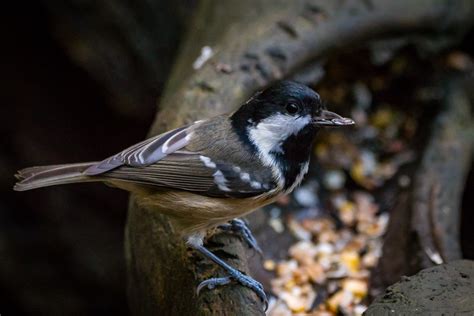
212	283
240	227
239	277
233	275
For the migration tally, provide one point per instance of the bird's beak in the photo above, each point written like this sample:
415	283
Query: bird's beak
328	118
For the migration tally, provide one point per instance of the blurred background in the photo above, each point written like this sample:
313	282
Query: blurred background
61	248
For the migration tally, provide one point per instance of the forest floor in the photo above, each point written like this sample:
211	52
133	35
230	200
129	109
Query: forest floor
337	218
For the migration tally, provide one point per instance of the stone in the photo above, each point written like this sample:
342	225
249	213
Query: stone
446	289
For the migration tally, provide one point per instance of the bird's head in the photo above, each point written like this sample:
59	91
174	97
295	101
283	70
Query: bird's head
285	111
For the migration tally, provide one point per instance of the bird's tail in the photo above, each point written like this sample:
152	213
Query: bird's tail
44	176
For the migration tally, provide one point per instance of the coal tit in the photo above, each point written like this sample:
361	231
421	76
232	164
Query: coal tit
215	170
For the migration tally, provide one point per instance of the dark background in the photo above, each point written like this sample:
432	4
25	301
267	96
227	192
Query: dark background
61	248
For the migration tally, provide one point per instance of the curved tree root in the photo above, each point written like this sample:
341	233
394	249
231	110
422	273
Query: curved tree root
424	229
255	42
249	55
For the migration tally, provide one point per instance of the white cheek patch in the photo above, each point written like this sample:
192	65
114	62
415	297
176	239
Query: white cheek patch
269	134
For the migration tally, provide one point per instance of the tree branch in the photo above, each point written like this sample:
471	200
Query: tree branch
258	42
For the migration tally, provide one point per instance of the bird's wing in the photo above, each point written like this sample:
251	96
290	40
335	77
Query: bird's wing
147	152
164	162
198	174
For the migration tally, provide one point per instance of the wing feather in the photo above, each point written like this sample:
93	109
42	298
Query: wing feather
167	162
190	173
147	152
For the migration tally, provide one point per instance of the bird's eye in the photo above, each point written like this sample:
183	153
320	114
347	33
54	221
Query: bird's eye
291	108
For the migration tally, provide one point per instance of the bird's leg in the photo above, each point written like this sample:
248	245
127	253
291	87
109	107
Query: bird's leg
234	275
240	227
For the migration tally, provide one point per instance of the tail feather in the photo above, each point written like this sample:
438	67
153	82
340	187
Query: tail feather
43	176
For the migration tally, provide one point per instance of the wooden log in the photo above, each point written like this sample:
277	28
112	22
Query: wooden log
255	42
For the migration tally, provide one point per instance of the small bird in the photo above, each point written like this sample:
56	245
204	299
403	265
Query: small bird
213	171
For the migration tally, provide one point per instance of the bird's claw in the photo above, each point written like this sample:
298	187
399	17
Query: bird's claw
239	277
240	227
212	283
